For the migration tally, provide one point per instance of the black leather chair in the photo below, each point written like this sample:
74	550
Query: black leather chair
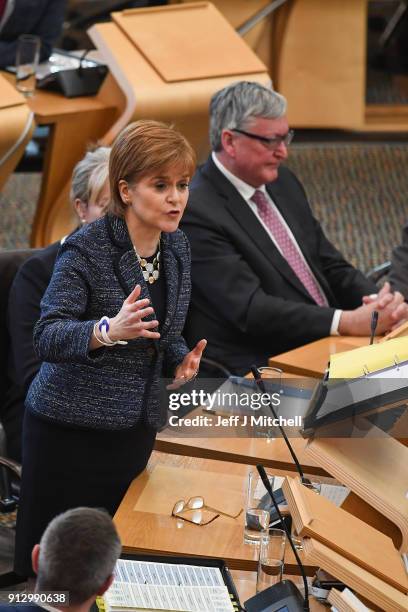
10	471
10	261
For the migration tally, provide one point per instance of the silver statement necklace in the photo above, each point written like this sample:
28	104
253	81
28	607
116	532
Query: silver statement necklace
150	270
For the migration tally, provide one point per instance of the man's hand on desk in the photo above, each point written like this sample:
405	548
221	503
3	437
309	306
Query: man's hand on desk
392	312
386	297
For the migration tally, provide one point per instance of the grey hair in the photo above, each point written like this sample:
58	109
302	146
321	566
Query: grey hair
78	552
90	174
234	106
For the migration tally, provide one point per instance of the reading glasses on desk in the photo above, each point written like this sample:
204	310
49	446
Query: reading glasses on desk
197	504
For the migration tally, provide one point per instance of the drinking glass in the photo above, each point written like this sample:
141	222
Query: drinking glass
257	508
271	559
27	58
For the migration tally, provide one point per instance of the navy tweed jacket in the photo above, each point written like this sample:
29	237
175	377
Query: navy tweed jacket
109	388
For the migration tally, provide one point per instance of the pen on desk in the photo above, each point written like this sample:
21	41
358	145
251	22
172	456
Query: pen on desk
374	322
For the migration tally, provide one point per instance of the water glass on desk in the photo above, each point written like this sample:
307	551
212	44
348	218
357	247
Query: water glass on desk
271	559
27	58
257	507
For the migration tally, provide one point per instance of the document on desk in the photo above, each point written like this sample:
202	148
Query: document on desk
334	493
150	586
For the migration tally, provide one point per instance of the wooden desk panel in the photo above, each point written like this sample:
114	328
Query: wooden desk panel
184	104
312	359
17	125
145	524
74	123
272	453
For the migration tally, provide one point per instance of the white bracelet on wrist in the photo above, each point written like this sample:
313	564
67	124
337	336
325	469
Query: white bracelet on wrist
103	326
96	335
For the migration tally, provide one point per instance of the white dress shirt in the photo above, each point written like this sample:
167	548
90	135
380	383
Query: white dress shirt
247	191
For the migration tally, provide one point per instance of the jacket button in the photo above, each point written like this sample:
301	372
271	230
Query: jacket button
150	351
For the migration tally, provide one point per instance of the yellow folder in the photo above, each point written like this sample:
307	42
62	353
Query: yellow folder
369	359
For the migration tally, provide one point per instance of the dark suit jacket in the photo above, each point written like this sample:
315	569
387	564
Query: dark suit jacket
246	300
41	17
398	275
24	311
109	388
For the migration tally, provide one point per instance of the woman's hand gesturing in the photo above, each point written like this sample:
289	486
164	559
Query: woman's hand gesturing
188	368
129	324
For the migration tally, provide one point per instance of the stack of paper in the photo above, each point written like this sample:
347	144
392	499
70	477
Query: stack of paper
346	601
360	580
367	360
144	585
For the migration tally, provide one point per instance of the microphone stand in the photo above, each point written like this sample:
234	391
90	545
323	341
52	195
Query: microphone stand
261	385
267	485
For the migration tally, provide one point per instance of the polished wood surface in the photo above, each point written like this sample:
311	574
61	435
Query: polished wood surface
212	49
272	452
312	359
316	517
75	123
145	524
322	77
341	603
363	582
375	469
260	37
16	124
148	95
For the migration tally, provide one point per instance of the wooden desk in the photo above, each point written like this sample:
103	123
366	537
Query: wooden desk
75	123
145	524
271	452
312	359
182	102
323	78
17	125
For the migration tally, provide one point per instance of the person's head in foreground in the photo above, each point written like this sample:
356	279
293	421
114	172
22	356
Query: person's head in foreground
150	168
77	554
249	131
90	191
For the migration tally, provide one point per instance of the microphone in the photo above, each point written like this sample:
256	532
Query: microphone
373	325
267	485
260	383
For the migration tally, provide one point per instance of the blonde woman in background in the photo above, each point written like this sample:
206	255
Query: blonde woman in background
90	195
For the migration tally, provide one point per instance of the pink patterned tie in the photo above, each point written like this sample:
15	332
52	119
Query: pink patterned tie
289	251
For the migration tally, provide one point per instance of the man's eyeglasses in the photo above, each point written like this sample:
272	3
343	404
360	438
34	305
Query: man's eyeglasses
196	504
270	143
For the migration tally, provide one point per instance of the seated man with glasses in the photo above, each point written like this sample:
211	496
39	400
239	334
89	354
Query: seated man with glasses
265	277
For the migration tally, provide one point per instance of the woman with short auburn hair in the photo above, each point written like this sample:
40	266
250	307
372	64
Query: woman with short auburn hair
146	147
110	327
